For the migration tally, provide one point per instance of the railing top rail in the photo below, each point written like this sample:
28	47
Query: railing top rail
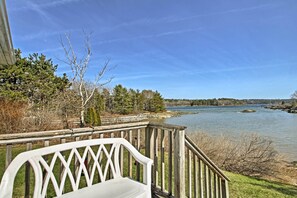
205	158
64	133
166	126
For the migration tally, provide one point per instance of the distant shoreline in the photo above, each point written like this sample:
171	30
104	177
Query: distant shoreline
224	102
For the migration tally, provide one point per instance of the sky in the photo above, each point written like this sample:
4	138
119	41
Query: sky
192	49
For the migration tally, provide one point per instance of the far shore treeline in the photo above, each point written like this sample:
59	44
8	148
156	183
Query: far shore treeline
224	102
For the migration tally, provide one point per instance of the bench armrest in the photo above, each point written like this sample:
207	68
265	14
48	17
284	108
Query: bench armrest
145	161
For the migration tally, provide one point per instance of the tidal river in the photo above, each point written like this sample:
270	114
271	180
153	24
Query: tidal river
279	126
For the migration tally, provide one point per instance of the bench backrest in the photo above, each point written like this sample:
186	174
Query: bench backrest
81	152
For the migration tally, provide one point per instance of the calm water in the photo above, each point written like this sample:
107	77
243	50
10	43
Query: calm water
279	126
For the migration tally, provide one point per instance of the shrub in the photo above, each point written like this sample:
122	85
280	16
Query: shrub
41	120
93	117
249	155
11	116
16	117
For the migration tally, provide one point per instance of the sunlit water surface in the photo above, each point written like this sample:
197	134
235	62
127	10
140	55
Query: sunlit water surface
279	126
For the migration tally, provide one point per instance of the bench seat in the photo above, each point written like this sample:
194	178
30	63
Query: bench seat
115	188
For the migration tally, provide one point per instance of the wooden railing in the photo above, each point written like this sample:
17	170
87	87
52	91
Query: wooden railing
204	178
180	168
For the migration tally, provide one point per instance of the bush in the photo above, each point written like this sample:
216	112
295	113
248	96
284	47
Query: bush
11	116
248	155
93	117
41	120
17	117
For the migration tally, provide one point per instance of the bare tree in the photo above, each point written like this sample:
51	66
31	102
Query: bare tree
294	95
79	67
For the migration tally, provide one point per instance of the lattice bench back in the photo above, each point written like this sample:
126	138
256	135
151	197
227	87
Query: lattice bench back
97	158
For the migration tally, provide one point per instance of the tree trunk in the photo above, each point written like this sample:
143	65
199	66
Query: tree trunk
65	118
82	117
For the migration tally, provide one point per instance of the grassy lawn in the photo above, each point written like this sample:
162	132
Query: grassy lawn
247	187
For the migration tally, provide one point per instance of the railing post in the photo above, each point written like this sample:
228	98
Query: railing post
162	160
76	162
179	164
27	173
130	166
122	155
149	141
138	148
225	189
155	166
149	148
62	168
170	161
8	155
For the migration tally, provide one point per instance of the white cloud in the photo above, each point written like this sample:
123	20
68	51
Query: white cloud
134	77
42	4
237	10
142	22
243	68
57	3
150	35
45	34
40	8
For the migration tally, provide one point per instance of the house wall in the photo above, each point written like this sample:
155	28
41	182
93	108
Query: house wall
6	47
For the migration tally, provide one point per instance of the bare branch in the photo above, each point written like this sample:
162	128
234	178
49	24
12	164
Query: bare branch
70	56
294	95
79	67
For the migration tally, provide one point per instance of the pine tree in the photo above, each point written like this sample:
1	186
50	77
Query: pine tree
122	101
32	78
157	103
92	117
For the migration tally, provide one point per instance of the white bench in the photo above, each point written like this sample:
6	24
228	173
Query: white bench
117	186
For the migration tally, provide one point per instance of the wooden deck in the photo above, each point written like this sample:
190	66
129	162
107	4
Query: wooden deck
180	168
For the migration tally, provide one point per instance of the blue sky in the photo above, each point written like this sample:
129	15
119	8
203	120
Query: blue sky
183	49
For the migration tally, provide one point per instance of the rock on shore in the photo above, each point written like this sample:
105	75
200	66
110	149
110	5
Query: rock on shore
287	108
248	111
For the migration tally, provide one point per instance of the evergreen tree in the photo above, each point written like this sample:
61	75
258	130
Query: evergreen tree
132	95
93	117
147	99
95	107
157	103
98	101
139	101
122	101
107	100
31	78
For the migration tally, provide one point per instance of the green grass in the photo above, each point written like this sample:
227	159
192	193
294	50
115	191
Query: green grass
249	187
